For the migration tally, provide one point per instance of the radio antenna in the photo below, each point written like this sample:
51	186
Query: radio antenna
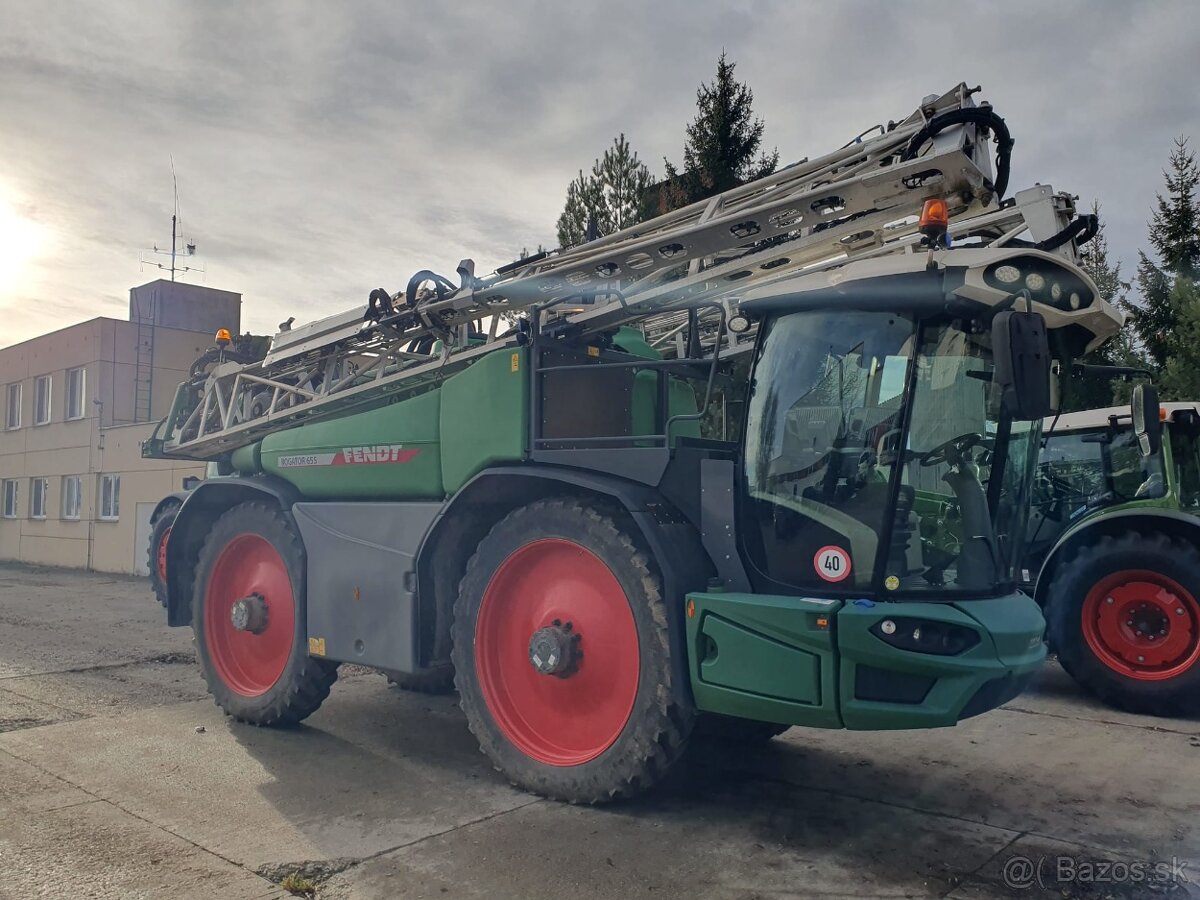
179	246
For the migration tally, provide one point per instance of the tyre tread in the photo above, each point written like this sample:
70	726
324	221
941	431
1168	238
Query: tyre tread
1182	697
308	680
658	738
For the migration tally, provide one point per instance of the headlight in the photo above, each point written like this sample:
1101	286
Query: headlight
1047	282
926	636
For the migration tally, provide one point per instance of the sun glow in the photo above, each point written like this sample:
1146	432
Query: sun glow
21	240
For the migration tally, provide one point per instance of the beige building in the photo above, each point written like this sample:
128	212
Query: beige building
77	403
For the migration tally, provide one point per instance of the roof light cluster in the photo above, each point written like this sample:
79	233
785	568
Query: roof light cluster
1046	282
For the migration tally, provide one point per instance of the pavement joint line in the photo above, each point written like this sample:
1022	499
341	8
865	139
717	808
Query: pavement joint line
1152	728
1115	851
54	809
165	658
38	700
768	779
983	865
357	861
98	799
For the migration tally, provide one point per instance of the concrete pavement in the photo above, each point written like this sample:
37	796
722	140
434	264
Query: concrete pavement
119	778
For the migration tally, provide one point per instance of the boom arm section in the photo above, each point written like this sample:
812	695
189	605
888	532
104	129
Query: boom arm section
856	202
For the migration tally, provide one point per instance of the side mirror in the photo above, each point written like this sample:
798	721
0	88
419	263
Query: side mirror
1147	418
1022	353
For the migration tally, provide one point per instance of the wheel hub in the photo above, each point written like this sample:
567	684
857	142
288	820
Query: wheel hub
161	556
249	614
1143	625
554	650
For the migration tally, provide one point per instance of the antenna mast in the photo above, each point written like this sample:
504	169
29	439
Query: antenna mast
189	247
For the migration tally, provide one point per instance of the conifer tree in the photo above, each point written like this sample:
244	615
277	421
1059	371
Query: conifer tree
609	198
1175	237
722	148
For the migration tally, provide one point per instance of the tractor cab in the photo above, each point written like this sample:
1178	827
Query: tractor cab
1101	460
893	422
1114	559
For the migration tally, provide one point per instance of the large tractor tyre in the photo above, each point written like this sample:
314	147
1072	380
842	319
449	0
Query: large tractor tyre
248	618
160	532
1124	618
439	680
562	658
736	730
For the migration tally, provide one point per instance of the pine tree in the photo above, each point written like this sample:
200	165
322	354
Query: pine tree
1091	392
609	198
1181	380
585	195
722	142
1175	236
624	181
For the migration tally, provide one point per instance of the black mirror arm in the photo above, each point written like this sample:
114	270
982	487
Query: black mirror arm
1110	371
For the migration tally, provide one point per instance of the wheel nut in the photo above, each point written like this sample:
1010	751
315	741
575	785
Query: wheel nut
1179	611
1141	659
552	651
1109	601
249	614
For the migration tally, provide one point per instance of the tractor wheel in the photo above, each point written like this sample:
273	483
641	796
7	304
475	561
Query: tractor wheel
562	658
736	730
248	618
160	531
1125	621
439	680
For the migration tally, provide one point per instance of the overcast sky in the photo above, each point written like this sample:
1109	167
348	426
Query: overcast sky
324	149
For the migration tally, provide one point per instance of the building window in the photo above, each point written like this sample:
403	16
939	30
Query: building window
13	417
70	497
110	497
76	383
41	400
38	488
10	498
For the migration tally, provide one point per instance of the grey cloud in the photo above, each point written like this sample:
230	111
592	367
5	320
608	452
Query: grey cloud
326	149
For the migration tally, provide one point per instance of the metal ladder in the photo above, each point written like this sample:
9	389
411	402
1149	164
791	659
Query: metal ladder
143	375
860	201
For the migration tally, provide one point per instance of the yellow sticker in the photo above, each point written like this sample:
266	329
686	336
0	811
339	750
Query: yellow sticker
891	582
516	362
593	351
316	646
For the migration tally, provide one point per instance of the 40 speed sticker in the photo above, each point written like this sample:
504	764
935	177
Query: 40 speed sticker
832	563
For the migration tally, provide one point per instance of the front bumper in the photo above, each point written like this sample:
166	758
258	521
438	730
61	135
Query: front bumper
812	662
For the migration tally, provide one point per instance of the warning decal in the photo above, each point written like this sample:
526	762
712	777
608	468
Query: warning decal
832	563
382	454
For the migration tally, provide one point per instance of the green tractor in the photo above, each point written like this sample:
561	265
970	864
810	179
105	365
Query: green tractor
545	511
1115	552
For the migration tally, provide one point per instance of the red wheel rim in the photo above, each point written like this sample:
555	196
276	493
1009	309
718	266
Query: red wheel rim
1142	624
560	721
161	555
249	663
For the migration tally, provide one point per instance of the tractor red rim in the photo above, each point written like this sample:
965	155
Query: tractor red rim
161	555
1142	624
572	719
249	664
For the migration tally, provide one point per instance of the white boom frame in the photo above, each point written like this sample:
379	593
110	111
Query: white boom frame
856	203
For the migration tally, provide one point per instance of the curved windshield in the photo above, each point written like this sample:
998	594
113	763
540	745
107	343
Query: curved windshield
876	458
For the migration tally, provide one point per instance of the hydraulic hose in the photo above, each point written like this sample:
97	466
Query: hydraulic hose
441	285
1084	228
981	115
